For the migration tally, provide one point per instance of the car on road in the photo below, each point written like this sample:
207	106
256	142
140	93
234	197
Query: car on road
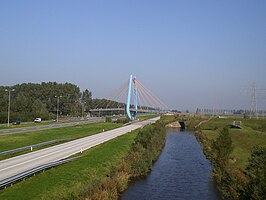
17	122
38	120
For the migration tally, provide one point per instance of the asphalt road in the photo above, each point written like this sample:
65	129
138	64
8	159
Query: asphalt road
55	125
16	165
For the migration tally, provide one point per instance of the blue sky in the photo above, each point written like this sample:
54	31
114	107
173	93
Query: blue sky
189	53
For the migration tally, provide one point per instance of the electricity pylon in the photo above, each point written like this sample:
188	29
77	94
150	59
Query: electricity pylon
253	108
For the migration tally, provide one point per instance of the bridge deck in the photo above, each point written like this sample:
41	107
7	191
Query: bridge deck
122	109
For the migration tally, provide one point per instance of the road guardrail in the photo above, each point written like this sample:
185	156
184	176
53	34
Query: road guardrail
9	181
31	146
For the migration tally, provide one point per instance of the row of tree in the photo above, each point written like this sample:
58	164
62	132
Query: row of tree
30	100
232	182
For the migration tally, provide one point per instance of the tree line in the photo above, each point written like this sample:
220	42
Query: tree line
232	182
31	100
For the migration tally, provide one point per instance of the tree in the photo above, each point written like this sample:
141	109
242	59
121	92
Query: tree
21	104
32	99
39	109
223	147
256	172
86	97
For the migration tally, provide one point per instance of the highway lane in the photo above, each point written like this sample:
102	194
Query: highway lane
49	126
16	165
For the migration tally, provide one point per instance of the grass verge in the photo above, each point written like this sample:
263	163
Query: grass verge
26	125
145	117
72	177
253	133
12	141
238	156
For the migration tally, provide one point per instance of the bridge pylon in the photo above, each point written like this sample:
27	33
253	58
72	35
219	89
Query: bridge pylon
132	81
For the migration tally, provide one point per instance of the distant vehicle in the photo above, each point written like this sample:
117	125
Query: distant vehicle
38	120
17	122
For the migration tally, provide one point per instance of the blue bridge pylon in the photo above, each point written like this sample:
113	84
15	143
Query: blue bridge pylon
132	81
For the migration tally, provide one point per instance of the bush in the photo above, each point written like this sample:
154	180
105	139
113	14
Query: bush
123	120
121	180
108	119
230	181
256	172
222	147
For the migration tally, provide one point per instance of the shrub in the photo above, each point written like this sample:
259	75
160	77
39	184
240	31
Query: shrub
121	180
222	147
256	172
108	119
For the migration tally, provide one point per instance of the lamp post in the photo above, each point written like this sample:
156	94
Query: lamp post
82	113
57	107
9	98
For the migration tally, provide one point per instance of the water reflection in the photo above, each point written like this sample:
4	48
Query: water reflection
181	172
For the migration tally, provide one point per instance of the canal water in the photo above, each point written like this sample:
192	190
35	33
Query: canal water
181	172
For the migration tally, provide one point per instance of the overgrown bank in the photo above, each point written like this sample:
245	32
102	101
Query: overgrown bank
228	149
138	162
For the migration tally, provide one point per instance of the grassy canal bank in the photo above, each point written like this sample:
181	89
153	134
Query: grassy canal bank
13	141
238	155
103	171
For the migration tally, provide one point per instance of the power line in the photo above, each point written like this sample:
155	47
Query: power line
253	108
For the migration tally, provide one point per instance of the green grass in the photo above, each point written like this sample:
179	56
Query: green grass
27	125
32	124
145	117
13	141
243	142
211	134
253	132
68	177
258	125
216	123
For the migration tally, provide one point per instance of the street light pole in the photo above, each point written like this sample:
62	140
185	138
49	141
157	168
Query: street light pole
9	98
57	107
82	113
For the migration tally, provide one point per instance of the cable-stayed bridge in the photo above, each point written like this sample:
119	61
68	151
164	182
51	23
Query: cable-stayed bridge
131	98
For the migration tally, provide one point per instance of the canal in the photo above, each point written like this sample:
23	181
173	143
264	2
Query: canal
181	172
